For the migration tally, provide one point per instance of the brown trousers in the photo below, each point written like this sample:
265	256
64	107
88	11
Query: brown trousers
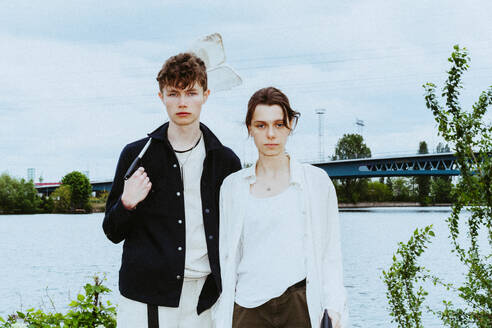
289	310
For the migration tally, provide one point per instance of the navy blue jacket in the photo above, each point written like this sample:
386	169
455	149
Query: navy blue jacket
152	267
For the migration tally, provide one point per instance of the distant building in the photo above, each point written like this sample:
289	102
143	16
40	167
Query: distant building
31	174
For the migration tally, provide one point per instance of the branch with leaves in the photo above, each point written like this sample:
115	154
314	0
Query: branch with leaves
471	138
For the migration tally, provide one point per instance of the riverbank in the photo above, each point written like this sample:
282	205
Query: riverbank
98	207
388	204
101	207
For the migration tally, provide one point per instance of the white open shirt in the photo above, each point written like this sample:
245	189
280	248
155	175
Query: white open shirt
324	276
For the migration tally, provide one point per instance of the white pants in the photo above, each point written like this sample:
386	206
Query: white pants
133	314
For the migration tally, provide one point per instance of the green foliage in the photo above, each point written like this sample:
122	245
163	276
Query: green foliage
471	137
378	192
18	196
47	204
402	189
81	189
351	190
86	311
351	146
61	199
103	196
403	279
441	190
442	148
98	203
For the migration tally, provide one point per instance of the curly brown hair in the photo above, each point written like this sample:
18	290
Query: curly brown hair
272	96
182	71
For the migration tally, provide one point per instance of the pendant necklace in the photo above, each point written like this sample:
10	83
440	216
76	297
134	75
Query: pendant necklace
190	152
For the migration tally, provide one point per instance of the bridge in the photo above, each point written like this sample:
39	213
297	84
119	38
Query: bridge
441	164
97	186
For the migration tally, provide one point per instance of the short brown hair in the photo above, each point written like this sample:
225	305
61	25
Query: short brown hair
272	96
182	71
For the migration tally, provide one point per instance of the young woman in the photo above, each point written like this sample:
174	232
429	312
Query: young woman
279	240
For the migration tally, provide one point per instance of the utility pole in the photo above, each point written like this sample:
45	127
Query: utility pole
321	133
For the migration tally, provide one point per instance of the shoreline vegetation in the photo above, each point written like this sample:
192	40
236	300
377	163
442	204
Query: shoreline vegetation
389	204
86	310
73	196
18	196
98	207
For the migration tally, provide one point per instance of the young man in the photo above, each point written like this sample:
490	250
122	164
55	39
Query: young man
167	212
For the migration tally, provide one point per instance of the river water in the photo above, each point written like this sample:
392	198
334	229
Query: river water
52	256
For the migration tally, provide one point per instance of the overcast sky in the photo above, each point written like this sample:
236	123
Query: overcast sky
77	80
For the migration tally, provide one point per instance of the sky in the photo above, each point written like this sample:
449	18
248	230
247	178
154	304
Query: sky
77	79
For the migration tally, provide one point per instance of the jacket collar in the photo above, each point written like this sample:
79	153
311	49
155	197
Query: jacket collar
210	140
295	172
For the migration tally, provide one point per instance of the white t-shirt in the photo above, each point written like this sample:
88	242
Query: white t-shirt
196	255
272	248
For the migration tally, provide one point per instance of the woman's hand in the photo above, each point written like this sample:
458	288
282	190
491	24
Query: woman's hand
136	188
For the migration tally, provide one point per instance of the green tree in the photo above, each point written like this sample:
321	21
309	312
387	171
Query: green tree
402	189
442	148
18	196
441	189
378	192
62	199
351	146
423	182
47	204
80	190
471	217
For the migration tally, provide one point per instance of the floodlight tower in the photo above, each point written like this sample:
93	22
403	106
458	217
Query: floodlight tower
321	132
360	125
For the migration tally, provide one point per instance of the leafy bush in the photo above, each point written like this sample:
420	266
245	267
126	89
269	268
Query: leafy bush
61	199
378	192
471	137
86	311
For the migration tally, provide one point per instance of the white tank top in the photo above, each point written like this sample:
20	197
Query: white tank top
272	256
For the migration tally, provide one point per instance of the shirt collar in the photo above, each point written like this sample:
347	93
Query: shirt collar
210	140
295	172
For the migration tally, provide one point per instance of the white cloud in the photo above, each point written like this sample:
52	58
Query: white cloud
72	100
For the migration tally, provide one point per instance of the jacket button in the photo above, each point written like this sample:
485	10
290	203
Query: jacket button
180	248
178	194
178	277
210	237
180	221
174	165
207	210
